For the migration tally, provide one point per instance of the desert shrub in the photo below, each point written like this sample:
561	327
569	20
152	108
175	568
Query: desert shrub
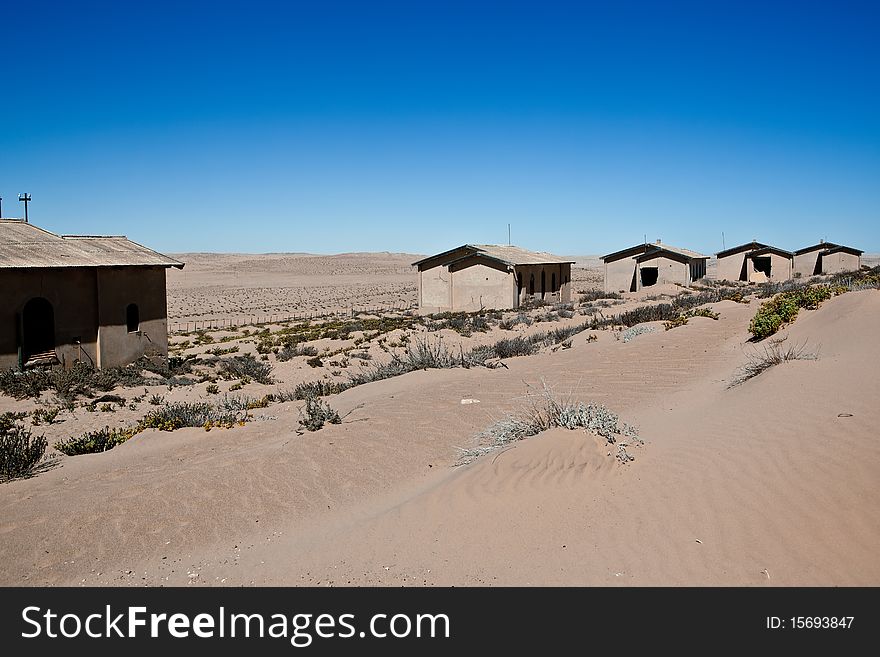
222	351
362	355
634	331
682	319
784	308
212	389
92	442
315	362
291	351
313	389
20	452
774	353
520	318
44	415
518	346
191	414
865	279
588	296
315	413
565	314
543	411
246	367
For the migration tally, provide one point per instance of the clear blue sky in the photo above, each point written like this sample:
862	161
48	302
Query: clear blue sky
417	126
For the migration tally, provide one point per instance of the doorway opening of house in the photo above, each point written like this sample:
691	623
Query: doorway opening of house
532	285
543	283
38	328
762	265
648	276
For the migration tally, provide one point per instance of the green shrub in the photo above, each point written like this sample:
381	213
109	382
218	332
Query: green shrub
92	442
20	452
316	413
44	415
246	367
191	414
784	307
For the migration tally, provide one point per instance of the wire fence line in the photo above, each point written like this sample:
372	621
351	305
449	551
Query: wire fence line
260	319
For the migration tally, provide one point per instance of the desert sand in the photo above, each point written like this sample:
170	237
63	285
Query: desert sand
769	483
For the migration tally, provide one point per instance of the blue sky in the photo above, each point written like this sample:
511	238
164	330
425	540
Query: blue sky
416	126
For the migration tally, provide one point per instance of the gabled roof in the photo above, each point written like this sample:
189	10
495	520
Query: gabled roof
770	249
508	255
650	254
25	246
843	249
821	246
750	246
648	248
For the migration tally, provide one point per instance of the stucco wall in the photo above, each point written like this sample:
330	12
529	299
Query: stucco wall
805	264
478	286
619	275
117	288
562	293
71	292
780	269
74	294
839	262
434	289
730	268
668	271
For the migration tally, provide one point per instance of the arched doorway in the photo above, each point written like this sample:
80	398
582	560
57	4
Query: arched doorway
531	285
543	283
38	328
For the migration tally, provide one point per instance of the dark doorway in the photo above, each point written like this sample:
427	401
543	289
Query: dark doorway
762	265
531	285
649	276
553	283
38	328
132	318
543	283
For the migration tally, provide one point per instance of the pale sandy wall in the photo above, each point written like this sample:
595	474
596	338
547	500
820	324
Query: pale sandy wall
619	275
730	268
668	271
478	286
780	269
840	262
805	264
434	289
117	288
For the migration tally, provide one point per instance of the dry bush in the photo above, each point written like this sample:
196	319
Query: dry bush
773	353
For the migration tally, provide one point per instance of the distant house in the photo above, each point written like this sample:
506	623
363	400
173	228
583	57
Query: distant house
63	299
644	265
473	277
754	262
826	258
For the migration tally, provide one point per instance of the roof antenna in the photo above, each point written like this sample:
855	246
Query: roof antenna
1	206
508	234
722	241
25	198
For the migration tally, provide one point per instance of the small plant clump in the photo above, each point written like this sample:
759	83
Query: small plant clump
682	319
95	441
21	453
634	331
544	411
316	413
246	367
774	353
784	307
44	415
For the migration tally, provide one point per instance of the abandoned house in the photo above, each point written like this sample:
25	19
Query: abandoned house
477	277
826	258
644	265
63	299
754	262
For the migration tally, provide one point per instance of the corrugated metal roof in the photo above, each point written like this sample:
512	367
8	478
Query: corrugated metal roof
27	246
509	255
647	248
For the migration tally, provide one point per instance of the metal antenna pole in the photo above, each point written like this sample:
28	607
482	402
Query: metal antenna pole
508	234
25	198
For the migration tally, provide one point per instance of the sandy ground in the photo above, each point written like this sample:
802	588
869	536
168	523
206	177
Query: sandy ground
222	286
769	483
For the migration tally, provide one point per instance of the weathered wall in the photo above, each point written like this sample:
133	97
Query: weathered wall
619	275
668	271
434	289
731	268
480	286
807	264
562	292
71	291
780	269
117	288
839	262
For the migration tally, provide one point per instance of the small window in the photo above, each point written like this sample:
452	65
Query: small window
132	318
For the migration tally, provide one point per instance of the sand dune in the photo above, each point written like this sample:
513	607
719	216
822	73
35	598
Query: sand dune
761	484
